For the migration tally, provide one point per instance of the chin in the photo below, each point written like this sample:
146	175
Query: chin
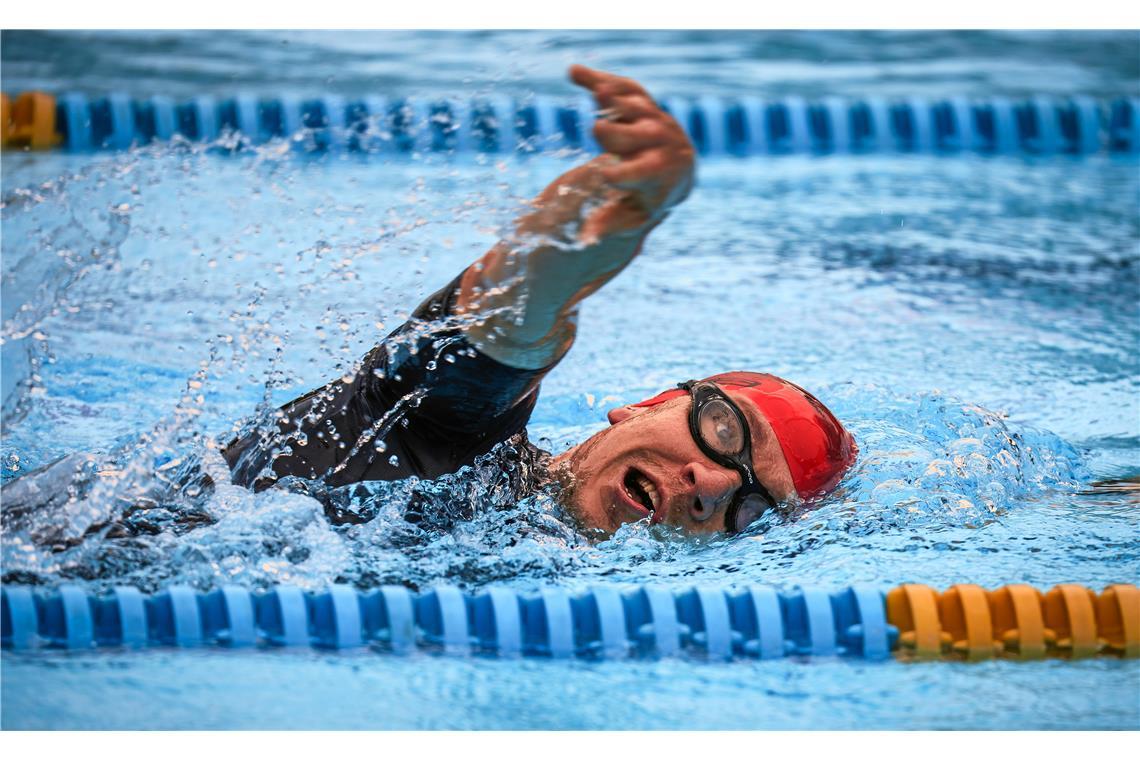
579	499
587	512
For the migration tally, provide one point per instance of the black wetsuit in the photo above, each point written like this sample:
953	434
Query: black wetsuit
424	403
432	402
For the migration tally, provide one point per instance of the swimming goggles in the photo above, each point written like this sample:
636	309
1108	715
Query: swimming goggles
721	432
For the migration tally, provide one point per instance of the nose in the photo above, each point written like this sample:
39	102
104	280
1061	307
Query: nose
710	489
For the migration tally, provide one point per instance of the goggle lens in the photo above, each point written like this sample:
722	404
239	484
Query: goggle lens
720	428
749	511
722	432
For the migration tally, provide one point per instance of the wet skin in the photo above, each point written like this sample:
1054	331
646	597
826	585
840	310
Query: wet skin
655	444
601	211
647	464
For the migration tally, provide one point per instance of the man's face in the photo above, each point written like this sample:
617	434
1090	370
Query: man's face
648	455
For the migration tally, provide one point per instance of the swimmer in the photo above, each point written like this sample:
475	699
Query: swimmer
462	375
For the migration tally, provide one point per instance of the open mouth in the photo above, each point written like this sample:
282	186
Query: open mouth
641	489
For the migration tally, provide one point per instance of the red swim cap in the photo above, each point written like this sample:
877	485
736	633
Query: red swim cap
817	447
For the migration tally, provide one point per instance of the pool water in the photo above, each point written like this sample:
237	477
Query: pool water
973	320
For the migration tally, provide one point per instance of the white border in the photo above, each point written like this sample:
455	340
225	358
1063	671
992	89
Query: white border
598	745
575	14
570	14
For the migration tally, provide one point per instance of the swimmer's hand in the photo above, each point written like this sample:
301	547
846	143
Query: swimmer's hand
649	156
518	303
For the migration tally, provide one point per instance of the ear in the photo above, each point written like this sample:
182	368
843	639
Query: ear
623	413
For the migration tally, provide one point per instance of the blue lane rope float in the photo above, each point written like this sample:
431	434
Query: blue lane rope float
499	124
912	621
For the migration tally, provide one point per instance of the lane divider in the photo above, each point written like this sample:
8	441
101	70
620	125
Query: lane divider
912	621
498	124
29	121
1018	622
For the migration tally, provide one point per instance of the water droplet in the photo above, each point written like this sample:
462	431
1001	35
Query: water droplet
381	446
394	460
431	366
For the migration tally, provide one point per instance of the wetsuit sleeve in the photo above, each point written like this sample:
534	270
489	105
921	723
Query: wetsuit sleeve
424	402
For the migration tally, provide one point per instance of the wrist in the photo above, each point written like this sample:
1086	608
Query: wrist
502	340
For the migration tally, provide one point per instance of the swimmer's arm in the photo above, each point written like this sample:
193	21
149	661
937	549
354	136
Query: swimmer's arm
584	229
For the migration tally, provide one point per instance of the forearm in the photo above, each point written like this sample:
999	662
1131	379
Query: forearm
521	296
517	303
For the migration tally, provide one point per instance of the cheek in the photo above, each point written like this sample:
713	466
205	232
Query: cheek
593	509
603	451
585	455
584	491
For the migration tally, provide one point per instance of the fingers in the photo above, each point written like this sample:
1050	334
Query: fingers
584	76
593	79
632	172
654	155
625	139
628	107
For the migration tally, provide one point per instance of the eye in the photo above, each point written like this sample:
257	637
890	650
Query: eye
720	428
749	511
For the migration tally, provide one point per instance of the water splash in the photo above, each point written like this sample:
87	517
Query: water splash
238	284
928	463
